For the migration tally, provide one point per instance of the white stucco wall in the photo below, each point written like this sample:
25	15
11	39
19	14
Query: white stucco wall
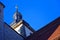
27	31
18	28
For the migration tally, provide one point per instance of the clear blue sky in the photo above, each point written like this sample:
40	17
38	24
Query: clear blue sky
37	13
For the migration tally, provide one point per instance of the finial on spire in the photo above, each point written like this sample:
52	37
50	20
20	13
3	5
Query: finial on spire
17	16
16	8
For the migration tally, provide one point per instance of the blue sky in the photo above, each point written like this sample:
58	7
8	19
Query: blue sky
37	13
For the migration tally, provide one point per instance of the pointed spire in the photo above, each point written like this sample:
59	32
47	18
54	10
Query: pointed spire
17	15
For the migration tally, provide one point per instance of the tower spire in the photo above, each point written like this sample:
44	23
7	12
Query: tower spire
17	15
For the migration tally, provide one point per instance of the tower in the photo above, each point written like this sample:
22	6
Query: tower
21	26
1	20
18	19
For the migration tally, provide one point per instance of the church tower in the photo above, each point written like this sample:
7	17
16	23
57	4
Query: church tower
21	26
18	18
1	19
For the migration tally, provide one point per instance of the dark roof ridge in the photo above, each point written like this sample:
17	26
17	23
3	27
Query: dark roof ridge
52	23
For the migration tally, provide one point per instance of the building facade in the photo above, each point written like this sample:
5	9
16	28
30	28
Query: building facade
1	20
